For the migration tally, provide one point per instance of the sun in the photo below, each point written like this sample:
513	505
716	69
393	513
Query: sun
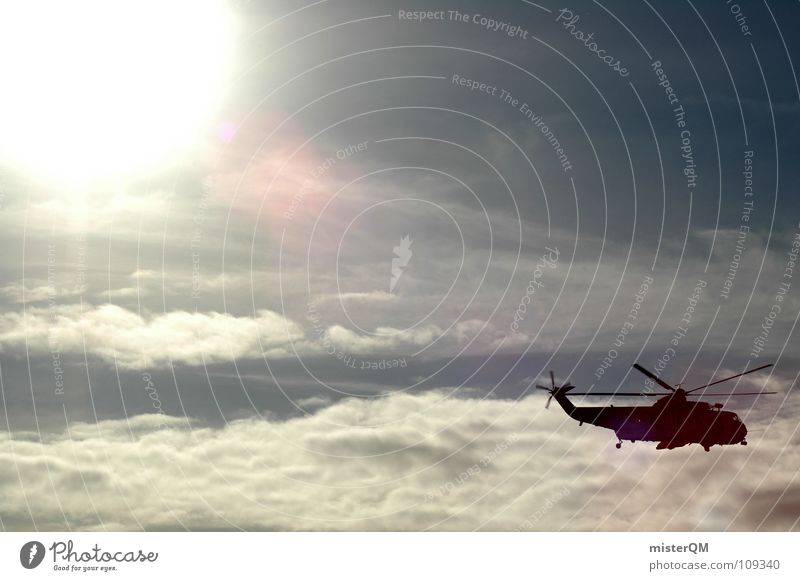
101	88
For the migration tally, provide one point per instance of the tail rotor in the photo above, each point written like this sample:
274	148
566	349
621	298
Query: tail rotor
553	389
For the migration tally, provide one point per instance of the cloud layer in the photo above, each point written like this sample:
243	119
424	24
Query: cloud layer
406	462
132	340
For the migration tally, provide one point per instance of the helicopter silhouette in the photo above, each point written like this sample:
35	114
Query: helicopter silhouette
672	421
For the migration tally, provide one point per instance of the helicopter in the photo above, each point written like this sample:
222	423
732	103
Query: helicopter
672	421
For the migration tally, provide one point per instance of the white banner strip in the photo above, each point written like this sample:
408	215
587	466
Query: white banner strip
400	556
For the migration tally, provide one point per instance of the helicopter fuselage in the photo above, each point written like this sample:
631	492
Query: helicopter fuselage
670	421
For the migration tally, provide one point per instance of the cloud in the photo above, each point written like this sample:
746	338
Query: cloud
145	274
384	339
132	340
375	296
404	462
92	213
313	402
36	291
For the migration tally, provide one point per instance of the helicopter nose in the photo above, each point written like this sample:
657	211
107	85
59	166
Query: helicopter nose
741	432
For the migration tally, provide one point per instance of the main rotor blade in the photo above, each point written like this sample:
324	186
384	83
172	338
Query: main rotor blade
543	388
742	393
731	377
552	379
653	377
620	393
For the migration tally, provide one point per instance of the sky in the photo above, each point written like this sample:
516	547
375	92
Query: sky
287	266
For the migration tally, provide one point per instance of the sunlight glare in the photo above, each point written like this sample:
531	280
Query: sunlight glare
98	88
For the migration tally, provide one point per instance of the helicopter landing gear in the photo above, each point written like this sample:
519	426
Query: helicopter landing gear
706	448
619	444
744	442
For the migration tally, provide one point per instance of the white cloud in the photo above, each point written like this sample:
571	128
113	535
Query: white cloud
375	296
145	274
132	340
313	402
35	290
384	339
406	462
124	292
